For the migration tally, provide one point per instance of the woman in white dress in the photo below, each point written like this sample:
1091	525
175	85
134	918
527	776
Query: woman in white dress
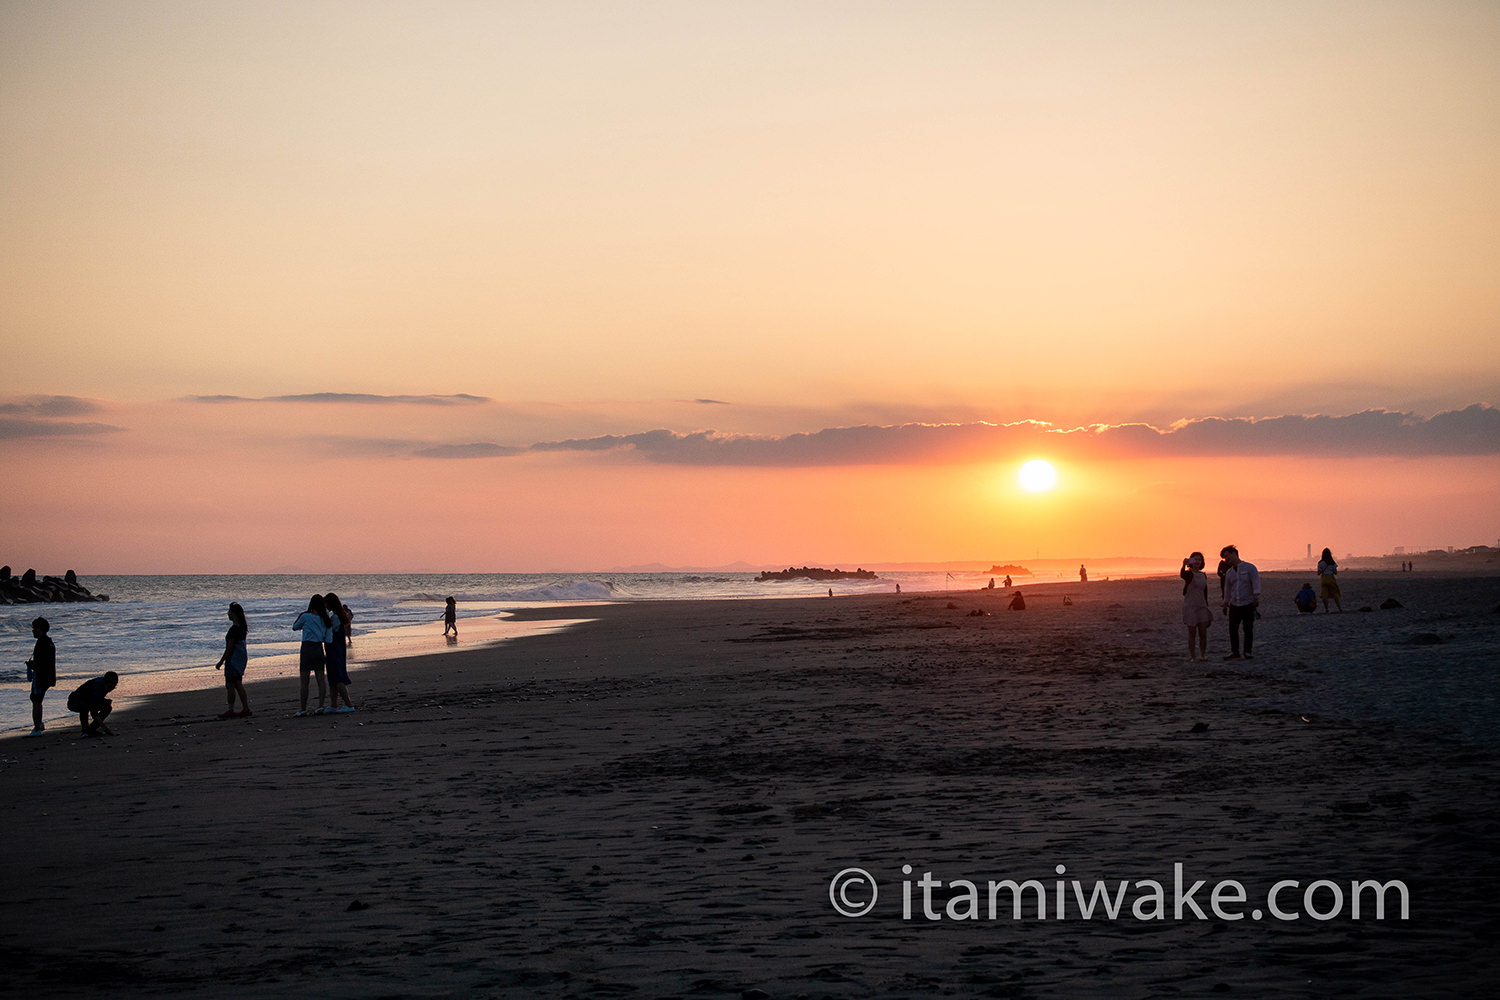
1196	614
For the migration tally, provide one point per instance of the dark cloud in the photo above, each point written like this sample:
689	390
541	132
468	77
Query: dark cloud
475	450
455	399
51	406
1471	431
710	402
22	427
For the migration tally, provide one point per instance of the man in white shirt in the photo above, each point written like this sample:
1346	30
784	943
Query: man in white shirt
1241	597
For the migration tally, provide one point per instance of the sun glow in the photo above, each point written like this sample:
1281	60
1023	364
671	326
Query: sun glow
1038	476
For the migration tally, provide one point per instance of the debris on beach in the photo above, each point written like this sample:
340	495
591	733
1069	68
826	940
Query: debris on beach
1390	603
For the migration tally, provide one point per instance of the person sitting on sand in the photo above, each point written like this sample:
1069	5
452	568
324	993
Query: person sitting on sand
1196	614
1018	603
1007	581
1306	599
91	701
41	671
1329	581
450	618
236	657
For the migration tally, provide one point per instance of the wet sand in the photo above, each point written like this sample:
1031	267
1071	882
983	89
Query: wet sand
653	803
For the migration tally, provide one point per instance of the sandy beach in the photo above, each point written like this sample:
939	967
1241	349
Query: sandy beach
653	803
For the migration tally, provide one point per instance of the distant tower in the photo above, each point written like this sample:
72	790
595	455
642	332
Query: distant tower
1309	550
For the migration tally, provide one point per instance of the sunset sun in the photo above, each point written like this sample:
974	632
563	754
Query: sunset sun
1038	476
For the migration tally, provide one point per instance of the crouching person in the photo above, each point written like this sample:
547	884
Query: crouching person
91	701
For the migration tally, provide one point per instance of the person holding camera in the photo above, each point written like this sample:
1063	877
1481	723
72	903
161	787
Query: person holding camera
1196	614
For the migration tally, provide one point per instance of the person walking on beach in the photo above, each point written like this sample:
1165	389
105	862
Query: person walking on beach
41	671
450	618
336	651
234	660
91	701
315	626
1196	614
1241	599
1328	581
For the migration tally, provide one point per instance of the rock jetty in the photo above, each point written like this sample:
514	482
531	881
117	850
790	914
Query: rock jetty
815	573
28	588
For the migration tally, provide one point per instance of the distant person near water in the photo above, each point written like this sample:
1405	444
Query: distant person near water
41	671
1241	599
315	626
1083	574
91	701
1007	581
336	653
1306	599
450	618
235	658
1196	614
1328	580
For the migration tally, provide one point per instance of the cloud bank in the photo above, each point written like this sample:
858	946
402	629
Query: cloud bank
1474	430
36	416
455	399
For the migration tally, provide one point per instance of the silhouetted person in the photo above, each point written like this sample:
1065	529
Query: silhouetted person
233	662
450	618
41	671
1241	598
1007	581
336	654
992	584
1196	614
1083	575
1329	581
316	627
1306	599
1018	603
91	701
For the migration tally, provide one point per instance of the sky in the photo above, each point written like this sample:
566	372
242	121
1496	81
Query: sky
543	287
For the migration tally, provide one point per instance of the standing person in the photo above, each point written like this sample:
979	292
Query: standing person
1196	614
91	701
336	650
315	626
1241	598
1083	575
1328	581
41	671
450	618
234	660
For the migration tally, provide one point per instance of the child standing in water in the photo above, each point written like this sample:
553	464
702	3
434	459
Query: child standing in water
316	627
450	618
236	657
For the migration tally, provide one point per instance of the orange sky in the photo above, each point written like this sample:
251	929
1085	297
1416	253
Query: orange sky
757	219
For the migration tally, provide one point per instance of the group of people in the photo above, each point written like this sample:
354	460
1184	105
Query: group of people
90	699
1239	597
325	627
1328	584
